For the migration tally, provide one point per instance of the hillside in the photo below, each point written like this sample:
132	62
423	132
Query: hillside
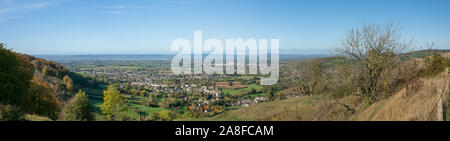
34	88
405	104
420	105
56	77
409	105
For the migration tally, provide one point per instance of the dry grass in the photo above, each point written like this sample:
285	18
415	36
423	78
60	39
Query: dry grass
306	108
33	117
446	55
280	110
406	106
402	106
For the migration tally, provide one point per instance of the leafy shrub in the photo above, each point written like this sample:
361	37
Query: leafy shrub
435	65
154	116
165	115
78	108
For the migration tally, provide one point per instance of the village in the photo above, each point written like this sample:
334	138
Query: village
156	85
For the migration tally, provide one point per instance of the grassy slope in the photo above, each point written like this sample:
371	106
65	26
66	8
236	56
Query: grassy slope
291	109
403	105
408	105
412	105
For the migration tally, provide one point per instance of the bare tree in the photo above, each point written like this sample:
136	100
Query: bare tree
295	78
307	76
373	48
313	72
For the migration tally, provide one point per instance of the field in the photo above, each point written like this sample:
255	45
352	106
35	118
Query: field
134	110
240	91
96	100
291	109
226	85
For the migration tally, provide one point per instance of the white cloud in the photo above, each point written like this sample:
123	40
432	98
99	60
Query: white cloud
128	7
117	12
28	7
122	9
113	12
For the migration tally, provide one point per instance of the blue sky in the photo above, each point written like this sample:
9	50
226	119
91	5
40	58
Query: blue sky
149	26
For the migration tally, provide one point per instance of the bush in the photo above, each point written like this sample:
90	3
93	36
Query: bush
343	83
154	116
409	75
165	115
78	108
11	113
435	65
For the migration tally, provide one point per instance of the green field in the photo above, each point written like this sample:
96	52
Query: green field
242	91
95	104
133	110
96	100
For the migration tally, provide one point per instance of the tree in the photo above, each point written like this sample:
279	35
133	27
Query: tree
269	92
41	100
68	82
313	72
295	79
307	76
44	71
15	74
373	48
114	103
78	108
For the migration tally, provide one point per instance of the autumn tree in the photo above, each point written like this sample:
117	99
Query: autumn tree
68	82
15	74
114	103
41	100
78	109
373	48
44	71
